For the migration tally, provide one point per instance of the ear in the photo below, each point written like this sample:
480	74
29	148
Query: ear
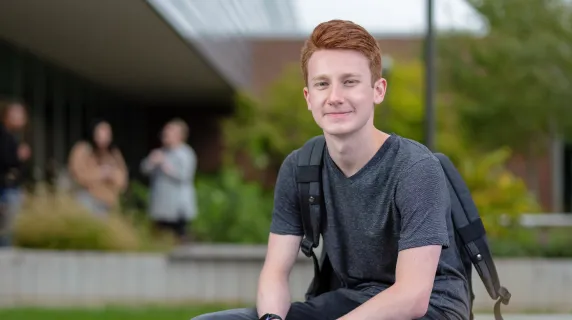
379	89
307	97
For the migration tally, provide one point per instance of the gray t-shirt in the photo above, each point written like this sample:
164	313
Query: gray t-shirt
398	200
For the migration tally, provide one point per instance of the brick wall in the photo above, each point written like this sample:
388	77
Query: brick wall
520	165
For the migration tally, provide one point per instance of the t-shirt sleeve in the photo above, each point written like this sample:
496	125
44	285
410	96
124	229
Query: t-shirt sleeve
286	218
422	198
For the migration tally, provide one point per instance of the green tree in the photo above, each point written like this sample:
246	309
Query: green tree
404	109
512	85
268	128
498	194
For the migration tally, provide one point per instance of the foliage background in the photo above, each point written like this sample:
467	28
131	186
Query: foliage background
512	85
235	206
504	92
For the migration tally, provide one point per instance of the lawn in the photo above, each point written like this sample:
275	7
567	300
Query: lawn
107	313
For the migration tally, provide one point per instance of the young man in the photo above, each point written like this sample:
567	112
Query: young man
13	155
389	233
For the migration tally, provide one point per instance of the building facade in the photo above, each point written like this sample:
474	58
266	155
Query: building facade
135	63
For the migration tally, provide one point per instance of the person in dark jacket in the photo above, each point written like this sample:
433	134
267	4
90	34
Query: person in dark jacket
13	155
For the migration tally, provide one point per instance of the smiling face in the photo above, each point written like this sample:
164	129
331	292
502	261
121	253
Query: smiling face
340	93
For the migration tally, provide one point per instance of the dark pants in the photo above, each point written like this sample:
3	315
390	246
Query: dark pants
328	306
178	228
10	202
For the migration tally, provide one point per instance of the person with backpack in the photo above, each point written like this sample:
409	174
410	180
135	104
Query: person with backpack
381	202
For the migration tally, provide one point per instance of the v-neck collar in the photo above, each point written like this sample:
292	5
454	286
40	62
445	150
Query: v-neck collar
378	156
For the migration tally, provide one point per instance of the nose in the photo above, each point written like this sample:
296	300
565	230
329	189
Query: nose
335	97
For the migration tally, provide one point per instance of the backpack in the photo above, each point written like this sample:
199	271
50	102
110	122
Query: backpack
470	233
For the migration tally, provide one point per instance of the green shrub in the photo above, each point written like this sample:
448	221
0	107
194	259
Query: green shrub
267	129
521	242
56	221
136	196
232	210
500	196
135	202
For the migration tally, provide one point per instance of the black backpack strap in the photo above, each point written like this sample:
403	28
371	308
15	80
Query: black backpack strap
309	180
471	230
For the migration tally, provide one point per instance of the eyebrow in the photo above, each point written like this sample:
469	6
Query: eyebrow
345	75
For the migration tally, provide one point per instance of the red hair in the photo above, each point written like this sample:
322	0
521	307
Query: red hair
342	34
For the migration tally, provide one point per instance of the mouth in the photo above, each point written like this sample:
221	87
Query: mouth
337	114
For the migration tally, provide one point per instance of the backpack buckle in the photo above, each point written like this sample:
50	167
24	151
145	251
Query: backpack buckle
504	299
307	247
504	295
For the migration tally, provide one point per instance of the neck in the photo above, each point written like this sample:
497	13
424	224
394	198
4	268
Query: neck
173	145
352	152
101	150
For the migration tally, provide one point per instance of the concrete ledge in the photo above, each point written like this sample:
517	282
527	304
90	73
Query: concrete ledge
224	253
213	273
546	220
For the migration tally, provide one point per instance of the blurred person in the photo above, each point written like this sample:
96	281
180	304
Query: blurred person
386	202
13	155
172	172
98	169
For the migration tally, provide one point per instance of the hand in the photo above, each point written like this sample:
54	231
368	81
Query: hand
24	152
156	157
167	168
106	171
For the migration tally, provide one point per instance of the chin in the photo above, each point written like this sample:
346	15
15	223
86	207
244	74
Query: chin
339	130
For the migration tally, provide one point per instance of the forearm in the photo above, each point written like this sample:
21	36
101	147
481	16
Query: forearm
178	173
147	166
120	179
393	303
85	176
273	295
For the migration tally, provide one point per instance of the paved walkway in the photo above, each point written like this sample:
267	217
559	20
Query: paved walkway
526	317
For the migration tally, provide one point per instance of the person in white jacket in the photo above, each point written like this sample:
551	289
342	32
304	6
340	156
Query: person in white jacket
171	169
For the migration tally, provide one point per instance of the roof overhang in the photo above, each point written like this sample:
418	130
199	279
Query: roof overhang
123	45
